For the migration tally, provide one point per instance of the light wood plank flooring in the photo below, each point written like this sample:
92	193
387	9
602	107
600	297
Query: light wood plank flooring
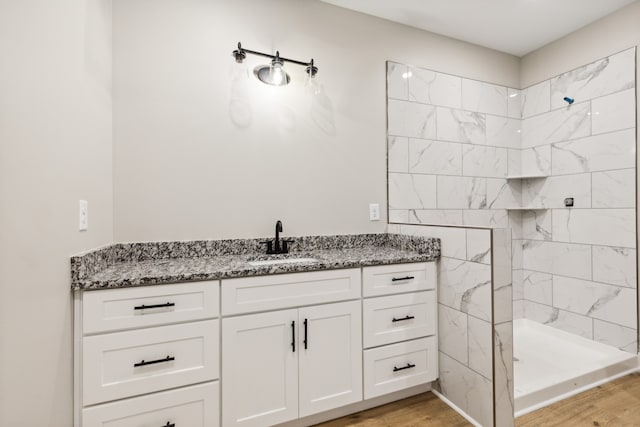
616	404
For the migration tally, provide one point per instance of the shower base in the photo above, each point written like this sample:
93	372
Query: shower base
551	365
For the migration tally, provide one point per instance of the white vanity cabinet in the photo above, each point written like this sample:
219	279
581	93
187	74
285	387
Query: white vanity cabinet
148	356
295	348
400	327
286	364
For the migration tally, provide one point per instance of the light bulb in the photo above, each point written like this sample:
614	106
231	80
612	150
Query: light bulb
277	74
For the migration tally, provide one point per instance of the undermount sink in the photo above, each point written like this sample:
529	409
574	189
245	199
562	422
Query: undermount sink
281	261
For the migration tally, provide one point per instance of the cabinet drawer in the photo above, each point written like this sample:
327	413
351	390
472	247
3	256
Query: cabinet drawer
130	363
196	406
398	317
392	279
117	309
250	294
398	366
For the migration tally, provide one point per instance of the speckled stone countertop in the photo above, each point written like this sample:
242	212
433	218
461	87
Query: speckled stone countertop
138	264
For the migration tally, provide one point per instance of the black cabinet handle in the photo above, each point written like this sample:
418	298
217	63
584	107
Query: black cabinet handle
409	366
293	336
144	307
403	318
153	362
305	334
168	424
397	279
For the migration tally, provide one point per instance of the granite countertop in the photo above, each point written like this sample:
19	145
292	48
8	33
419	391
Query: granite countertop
139	264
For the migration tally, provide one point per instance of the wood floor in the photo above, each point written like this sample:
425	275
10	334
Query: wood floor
616	404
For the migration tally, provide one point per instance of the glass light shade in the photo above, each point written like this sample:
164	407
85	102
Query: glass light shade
272	74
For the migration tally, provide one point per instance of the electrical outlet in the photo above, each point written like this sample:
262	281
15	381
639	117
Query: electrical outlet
83	224
374	212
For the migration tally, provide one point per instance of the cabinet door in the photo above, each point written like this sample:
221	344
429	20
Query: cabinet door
260	369
330	356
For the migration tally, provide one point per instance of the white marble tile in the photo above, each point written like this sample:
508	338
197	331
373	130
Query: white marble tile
431	87
485	218
480	342
626	339
501	243
452	333
536	99
599	78
514	103
502	193
479	246
461	126
614	112
461	192
610	227
411	119
518	309
515	223
597	300
557	258
518	284
560	319
398	149
503	132
614	189
397	85
551	192
616	266
536	160
614	150
484	97
514	162
466	286
398	215
435	157
536	225
484	161
468	390
517	251
558	125
409	191
453	239
435	217
537	287
504	375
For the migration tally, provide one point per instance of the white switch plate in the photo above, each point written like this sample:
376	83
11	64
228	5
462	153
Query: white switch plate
374	212
83	225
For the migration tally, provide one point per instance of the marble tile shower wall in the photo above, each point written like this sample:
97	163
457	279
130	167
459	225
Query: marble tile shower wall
451	143
575	269
470	375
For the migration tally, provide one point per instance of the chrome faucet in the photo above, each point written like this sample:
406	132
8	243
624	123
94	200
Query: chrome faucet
278	246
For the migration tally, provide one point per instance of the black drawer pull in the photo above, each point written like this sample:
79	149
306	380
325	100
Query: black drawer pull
305	334
409	366
153	362
403	318
144	307
168	424
397	279
293	336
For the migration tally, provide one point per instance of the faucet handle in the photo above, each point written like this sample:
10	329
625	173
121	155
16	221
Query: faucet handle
269	244
285	245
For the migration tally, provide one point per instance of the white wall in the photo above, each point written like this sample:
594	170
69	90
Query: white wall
55	148
184	170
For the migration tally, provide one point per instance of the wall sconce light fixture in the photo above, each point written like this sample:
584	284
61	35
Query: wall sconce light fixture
273	74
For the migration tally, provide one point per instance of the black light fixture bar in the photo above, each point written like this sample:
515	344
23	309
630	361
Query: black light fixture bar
241	53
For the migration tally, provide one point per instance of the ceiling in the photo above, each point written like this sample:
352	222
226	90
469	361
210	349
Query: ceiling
513	26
